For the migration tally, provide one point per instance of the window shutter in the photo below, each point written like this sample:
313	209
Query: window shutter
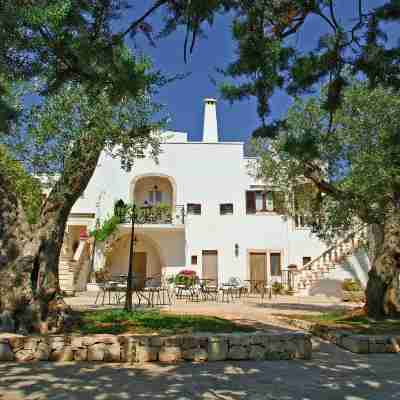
250	202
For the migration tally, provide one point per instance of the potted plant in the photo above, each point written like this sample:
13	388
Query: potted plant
186	277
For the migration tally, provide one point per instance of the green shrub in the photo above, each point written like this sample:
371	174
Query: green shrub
351	285
277	288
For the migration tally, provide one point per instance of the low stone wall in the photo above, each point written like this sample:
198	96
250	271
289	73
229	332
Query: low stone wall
133	348
362	344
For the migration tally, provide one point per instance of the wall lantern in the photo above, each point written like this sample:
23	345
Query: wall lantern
236	250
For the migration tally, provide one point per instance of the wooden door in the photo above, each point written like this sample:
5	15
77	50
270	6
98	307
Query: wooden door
258	268
139	268
210	266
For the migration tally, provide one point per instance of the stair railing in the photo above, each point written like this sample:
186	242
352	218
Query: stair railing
333	254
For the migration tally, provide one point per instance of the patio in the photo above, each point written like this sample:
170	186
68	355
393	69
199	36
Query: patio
245	310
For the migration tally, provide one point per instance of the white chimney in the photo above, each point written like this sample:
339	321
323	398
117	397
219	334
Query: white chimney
210	127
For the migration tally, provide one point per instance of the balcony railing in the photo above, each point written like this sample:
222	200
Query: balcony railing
159	215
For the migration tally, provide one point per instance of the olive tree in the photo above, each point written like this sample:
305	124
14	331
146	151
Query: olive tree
352	160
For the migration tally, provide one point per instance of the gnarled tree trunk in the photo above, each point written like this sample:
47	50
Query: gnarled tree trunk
30	297
383	288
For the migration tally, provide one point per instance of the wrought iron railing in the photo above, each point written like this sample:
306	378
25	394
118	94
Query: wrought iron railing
159	215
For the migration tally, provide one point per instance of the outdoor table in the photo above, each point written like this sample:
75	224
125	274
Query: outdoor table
228	290
208	291
259	286
108	287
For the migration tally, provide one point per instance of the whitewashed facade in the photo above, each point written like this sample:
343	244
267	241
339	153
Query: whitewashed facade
217	228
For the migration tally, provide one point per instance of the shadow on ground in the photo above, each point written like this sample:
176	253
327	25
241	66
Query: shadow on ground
332	374
304	307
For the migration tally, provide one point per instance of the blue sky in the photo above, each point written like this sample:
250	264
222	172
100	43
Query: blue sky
184	98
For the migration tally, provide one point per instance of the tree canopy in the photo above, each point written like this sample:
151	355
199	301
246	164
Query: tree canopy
352	160
271	57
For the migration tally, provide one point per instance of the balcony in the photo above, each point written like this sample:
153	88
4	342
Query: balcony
160	214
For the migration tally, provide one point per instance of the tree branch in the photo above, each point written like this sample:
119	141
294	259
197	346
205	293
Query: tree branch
136	23
333	17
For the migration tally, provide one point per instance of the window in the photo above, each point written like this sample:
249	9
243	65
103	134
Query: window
275	263
306	260
194	209
194	260
226	209
261	201
155	197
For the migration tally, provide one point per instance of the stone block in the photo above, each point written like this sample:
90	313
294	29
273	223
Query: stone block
275	346
96	352
377	347
190	342
146	353
196	355
31	343
173	341
16	342
256	352
258	338
238	353
42	351
156	341
170	354
57	343
6	353
64	354
112	353
81	354
128	349
356	344
95	339
24	355
304	348
394	345
77	342
239	339
217	349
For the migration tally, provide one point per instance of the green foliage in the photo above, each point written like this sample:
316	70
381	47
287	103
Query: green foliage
27	188
351	285
278	288
186	278
351	163
272	55
119	321
107	228
356	322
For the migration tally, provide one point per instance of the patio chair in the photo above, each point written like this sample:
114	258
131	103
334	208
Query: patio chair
107	287
209	290
240	286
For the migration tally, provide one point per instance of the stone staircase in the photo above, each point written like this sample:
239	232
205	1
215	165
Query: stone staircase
73	267
322	266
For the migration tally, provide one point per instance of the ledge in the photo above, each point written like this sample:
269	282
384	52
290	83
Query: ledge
356	343
168	349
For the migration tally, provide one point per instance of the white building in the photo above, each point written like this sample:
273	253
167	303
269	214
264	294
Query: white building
222	223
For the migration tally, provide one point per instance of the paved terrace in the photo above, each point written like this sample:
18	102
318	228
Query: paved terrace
332	374
246	310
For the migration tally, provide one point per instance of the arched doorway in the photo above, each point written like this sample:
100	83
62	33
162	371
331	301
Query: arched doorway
147	261
153	189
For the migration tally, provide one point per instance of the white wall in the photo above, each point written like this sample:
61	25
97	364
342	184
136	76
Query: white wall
209	174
